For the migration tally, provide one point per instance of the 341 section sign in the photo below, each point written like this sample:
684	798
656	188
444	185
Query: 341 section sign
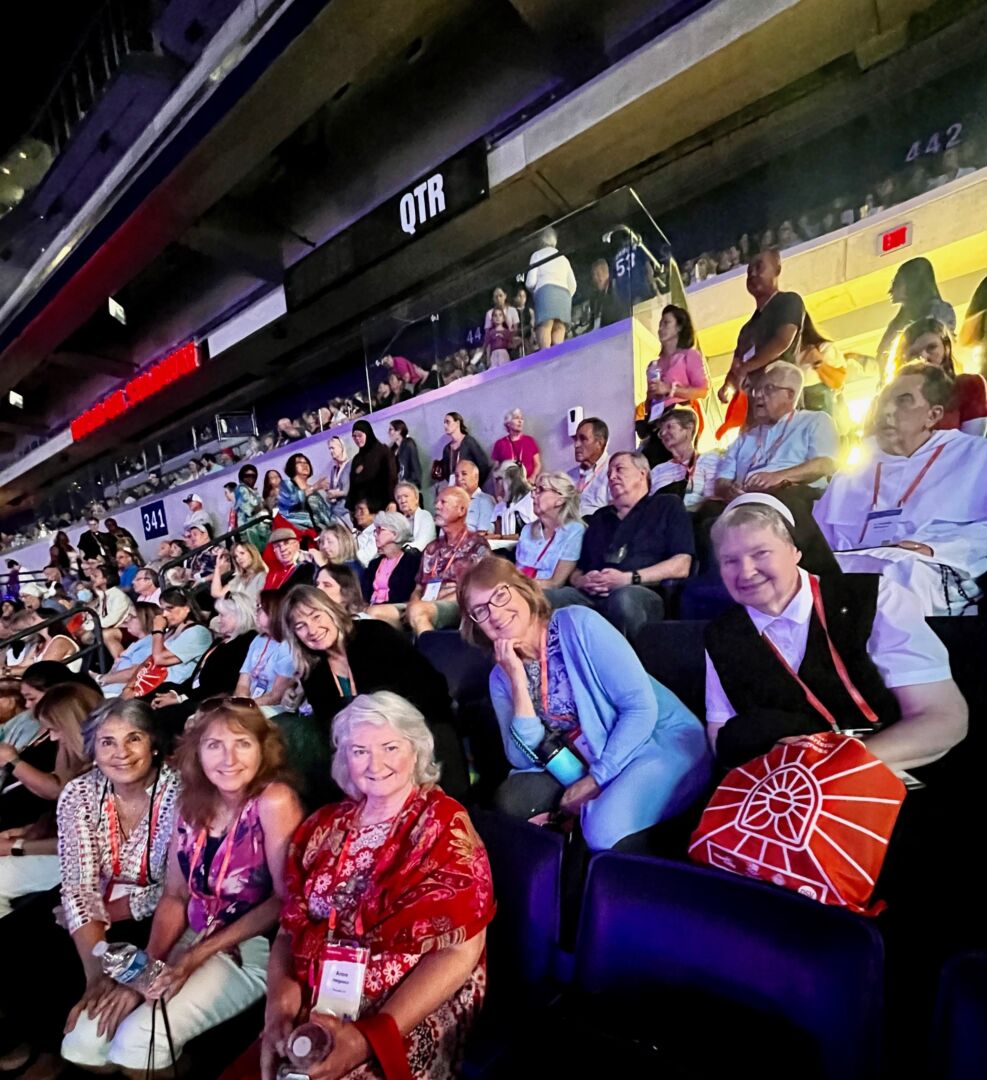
154	520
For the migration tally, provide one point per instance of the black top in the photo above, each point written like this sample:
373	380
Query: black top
783	308
91	544
304	573
402	581
373	475
607	306
18	805
408	462
657	528
469	450
380	658
769	703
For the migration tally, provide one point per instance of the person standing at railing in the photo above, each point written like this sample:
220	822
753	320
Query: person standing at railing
915	289
13	590
300	498
678	376
248	504
553	285
373	472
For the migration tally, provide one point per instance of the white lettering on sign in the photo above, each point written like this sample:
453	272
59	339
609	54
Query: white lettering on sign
425	200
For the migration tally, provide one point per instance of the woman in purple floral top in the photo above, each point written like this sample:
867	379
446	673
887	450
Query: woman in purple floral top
223	888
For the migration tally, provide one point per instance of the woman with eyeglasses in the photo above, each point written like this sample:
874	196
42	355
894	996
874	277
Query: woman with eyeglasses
223	891
178	636
390	577
114	826
548	548
139	626
268	669
588	731
339	657
300	498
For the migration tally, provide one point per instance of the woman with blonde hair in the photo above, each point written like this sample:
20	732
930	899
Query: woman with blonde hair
248	568
397	867
548	548
337	545
223	891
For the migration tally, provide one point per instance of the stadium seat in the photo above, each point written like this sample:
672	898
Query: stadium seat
959	1050
674	654
467	673
692	972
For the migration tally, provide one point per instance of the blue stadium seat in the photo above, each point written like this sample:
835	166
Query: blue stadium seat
523	939
674	654
959	1050
651	927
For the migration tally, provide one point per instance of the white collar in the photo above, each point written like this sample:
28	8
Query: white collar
937	438
798	610
600	461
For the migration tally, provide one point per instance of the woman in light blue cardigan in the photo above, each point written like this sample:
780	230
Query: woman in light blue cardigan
632	754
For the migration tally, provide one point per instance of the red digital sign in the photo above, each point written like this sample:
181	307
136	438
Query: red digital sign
147	384
899	237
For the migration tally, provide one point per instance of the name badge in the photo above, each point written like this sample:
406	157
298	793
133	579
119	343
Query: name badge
118	890
749	355
882	526
342	972
656	410
432	590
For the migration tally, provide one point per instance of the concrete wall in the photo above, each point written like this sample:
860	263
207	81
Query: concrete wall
595	371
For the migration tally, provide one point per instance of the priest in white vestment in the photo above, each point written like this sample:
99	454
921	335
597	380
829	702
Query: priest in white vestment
915	508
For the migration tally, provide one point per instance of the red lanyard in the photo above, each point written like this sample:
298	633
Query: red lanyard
760	464
260	659
582	485
113	823
548	544
438	575
200	843
855	694
909	491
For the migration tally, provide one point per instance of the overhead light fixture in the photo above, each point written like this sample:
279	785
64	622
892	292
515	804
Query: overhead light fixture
22	154
5	170
15	399
116	310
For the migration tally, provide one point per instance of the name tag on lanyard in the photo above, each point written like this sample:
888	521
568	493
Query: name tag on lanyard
432	590
342	972
882	526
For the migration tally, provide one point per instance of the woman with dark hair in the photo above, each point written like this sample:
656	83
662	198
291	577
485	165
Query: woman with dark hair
114	826
929	340
111	604
268	669
247	504
338	657
823	371
373	471
342	584
460	447
588	731
217	669
272	490
139	626
915	289
300	499
679	375
406	456
178	635
223	890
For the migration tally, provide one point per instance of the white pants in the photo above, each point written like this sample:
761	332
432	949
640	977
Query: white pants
21	875
215	992
919	576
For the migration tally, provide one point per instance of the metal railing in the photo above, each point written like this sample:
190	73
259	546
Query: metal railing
216	541
95	648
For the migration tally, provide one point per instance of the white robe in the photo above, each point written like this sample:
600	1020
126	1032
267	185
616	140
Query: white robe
947	512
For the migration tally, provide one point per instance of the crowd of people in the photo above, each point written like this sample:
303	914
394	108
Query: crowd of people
239	757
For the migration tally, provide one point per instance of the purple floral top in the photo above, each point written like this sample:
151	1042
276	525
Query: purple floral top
247	879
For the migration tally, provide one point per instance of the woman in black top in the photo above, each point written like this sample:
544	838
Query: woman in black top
338	658
390	577
406	456
373	473
462	447
217	672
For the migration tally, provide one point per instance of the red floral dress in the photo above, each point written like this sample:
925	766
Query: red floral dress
403	888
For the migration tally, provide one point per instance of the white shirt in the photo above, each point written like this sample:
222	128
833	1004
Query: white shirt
557	271
422	529
113	607
513	518
366	545
904	649
150	598
592	484
703	478
479	517
793	440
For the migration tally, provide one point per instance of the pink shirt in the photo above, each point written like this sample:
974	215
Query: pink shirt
382	578
406	369
523	452
685	367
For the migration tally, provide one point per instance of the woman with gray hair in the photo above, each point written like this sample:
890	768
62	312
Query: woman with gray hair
114	827
549	547
398	868
514	508
552	284
390	578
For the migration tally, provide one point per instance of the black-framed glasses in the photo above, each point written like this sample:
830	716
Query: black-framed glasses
500	597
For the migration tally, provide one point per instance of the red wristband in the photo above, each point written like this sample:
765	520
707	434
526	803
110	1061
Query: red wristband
381	1031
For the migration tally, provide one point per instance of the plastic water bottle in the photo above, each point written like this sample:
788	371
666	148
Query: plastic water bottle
128	965
308	1044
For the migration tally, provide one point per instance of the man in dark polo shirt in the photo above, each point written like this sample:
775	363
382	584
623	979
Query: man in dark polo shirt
773	332
630	547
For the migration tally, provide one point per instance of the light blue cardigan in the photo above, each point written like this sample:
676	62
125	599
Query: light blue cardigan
622	710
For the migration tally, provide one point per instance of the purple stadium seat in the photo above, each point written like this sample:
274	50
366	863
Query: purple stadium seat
959	1050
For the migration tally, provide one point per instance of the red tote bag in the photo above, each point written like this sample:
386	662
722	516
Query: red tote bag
814	815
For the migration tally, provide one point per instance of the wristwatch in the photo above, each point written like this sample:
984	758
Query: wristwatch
635	577
17	847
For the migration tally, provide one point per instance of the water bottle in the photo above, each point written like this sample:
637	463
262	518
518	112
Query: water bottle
128	965
307	1045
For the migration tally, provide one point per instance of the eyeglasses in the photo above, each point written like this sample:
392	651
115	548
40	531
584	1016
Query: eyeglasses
770	388
500	597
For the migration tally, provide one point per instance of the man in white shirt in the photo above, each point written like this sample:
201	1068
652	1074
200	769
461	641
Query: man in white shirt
197	514
589	448
916	509
782	446
408	499
366	542
146	586
688	474
753	696
480	516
